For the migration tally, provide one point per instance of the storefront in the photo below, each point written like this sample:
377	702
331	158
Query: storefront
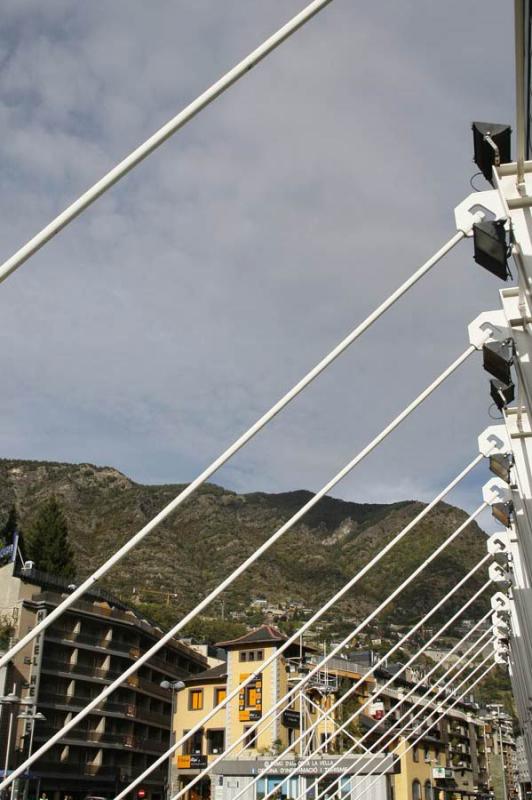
229	778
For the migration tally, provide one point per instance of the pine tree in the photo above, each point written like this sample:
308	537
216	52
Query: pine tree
9	528
47	541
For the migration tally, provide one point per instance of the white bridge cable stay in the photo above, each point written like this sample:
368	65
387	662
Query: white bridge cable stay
430	699
159	137
352	689
317	615
425	701
286	698
405	717
325	714
148	654
337	649
189	490
441	713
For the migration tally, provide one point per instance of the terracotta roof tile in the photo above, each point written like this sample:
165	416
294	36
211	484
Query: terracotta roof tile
262	635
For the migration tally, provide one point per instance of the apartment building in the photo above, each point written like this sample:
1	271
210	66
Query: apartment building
89	646
450	759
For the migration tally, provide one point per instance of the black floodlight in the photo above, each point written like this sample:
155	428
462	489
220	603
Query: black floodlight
498	358
500	465
491	248
492	146
501	393
503	512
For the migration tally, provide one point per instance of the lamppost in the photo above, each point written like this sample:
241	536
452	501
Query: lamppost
33	717
11	700
8	699
174	686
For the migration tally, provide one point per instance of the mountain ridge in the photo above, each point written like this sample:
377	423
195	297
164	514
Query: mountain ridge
216	529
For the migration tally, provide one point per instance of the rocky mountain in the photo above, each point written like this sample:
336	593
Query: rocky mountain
216	529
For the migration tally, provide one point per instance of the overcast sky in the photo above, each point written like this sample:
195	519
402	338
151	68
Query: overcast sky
166	319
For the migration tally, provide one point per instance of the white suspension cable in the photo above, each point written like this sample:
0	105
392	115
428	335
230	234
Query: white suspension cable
234	448
222	586
325	715
356	685
441	705
308	624
428	696
352	689
327	712
458	699
300	683
158	138
448	709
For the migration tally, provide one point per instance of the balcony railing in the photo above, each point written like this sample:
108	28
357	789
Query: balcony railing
77	769
103	737
129	710
154	716
147	686
80	668
131	650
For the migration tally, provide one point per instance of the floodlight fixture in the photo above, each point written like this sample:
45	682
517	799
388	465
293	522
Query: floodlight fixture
501	464
492	146
491	248
498	357
501	393
503	512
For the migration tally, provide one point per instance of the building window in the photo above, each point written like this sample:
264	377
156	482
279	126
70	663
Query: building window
428	790
288	788
251	696
345	788
251	655
215	741
426	753
193	746
195	699
416	790
220	693
415	753
251	737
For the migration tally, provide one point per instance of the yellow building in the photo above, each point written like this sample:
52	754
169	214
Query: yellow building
447	764
278	732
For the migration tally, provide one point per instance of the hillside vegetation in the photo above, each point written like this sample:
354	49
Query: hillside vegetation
216	529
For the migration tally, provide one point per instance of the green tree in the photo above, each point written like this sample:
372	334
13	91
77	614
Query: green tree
47	541
9	527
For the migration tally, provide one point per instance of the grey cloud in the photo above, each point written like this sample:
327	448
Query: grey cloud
164	321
